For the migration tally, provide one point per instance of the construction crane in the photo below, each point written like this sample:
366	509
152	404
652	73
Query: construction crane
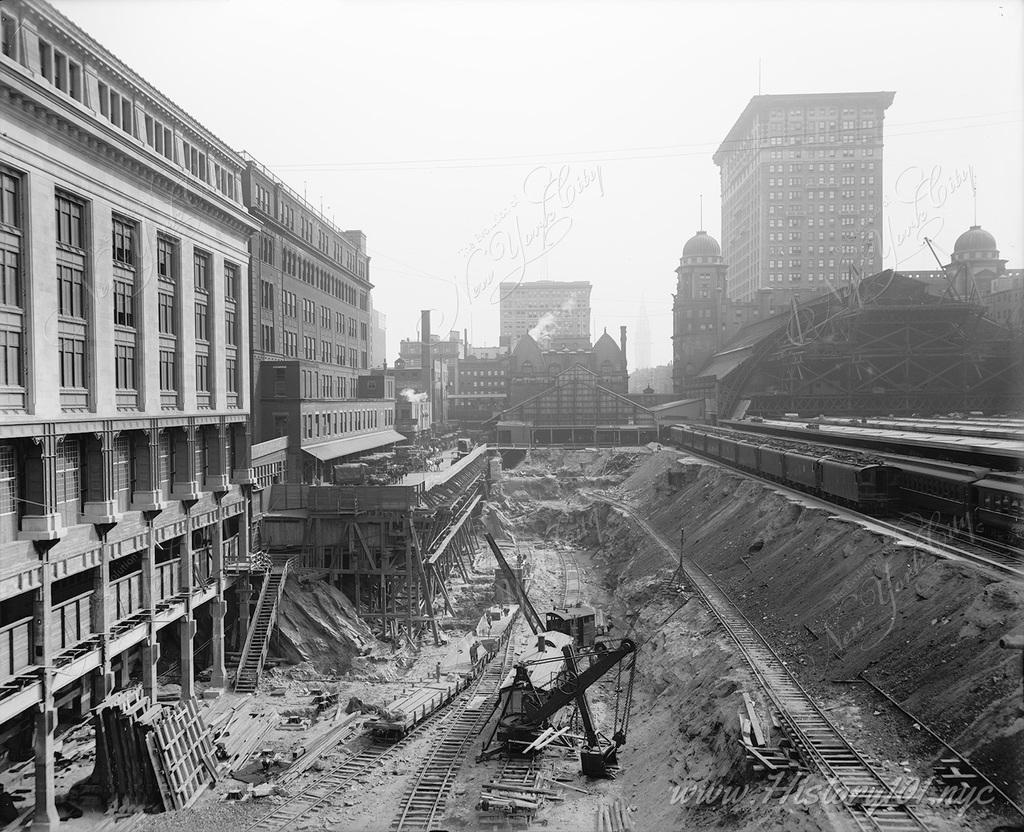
541	687
543	684
527	608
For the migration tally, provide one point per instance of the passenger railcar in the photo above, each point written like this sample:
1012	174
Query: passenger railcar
999	505
941	490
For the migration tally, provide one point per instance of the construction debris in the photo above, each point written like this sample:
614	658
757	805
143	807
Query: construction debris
151	754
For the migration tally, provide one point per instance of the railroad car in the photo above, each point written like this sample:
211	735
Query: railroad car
941	490
727	449
999	505
408	710
747	456
803	470
711	444
771	463
867	488
578	622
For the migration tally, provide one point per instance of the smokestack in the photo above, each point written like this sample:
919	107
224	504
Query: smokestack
465	343
622	345
426	365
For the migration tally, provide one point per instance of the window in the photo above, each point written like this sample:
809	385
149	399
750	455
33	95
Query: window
290	341
10	358
309	347
70	281
362	332
201	267
168	371
124	303
124	247
230	328
267	294
288	303
266	248
69	487
124	366
70	225
165	313
202	322
72	362
231	367
325	317
267	338
166	259
231	281
202	373
263	201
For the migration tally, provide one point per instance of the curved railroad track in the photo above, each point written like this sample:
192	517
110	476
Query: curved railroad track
845	769
423	801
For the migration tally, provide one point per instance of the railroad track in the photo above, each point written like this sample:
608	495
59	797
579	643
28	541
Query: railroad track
424	799
318	794
871	800
570	580
990	554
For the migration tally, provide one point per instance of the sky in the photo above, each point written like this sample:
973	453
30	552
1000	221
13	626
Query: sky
479	141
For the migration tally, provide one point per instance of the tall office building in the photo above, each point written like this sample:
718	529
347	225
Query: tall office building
124	447
801	179
553	312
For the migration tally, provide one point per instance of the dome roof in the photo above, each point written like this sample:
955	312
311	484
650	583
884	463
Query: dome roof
702	244
975	239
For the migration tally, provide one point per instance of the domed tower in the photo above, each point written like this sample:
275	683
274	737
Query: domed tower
975	262
697	309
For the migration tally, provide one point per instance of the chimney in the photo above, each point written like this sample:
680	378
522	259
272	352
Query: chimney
426	365
465	343
622	346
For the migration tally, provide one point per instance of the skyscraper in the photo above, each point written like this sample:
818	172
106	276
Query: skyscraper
801	179
552	311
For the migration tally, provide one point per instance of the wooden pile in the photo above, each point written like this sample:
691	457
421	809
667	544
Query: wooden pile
152	755
615	817
516	797
763	758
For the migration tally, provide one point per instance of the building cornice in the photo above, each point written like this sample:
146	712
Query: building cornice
47	108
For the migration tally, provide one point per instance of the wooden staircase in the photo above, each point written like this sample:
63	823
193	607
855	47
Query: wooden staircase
257	641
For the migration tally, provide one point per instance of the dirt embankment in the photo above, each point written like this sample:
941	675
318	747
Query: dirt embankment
837	600
316	624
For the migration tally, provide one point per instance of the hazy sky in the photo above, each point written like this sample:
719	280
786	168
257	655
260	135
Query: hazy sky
436	127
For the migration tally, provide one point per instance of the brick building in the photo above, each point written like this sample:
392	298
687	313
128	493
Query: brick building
311	328
123	383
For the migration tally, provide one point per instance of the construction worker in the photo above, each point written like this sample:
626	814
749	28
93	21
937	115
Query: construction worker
474	652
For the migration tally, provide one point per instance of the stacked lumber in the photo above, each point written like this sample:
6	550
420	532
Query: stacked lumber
152	755
239	735
615	817
763	758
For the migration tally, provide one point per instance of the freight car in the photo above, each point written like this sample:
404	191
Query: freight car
965	496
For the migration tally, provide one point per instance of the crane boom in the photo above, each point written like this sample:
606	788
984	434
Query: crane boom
524	601
574	685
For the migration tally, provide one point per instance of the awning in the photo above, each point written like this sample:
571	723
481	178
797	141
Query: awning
325	451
